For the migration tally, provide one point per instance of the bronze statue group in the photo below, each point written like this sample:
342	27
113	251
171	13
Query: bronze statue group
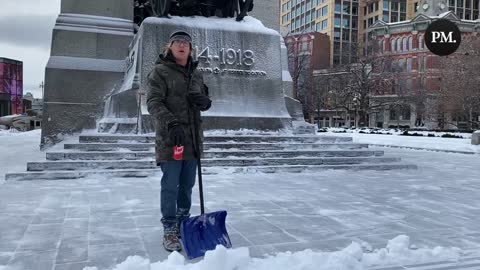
206	8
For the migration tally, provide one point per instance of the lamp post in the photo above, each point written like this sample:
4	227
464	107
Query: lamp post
355	105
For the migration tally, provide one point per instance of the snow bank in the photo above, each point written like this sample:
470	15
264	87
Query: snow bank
396	252
428	143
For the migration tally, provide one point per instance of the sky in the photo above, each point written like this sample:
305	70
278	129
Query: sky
25	34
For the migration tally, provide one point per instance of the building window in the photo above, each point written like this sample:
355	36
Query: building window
405	110
336	35
325	11
409	64
386	5
338	22
393	114
420	42
284	19
404	45
395	6
385	18
325	24
403	7
392	45
319	13
401	64
394	17
399	45
319	27
410	43
304	46
338	8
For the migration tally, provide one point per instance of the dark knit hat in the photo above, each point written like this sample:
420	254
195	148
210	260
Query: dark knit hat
180	35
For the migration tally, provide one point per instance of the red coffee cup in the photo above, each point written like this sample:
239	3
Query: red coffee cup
178	152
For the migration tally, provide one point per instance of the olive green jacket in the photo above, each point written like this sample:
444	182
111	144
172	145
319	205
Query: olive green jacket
167	101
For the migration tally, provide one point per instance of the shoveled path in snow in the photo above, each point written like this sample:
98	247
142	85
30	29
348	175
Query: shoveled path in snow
99	221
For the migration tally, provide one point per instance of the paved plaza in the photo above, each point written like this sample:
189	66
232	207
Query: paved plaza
70	224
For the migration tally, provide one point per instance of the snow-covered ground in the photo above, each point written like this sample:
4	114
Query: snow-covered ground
397	140
364	219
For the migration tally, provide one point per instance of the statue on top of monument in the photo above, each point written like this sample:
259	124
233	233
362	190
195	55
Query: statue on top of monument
206	8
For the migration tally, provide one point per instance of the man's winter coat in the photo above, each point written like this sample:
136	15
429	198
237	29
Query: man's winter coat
167	102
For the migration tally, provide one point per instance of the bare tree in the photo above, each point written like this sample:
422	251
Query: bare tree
300	67
364	87
459	95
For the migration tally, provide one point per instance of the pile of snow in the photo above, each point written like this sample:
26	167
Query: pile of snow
397	252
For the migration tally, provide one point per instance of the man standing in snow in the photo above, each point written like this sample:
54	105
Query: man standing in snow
176	93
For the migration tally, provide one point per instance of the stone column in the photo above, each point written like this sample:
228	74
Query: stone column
89	45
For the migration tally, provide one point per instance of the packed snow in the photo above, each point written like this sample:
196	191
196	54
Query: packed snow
356	256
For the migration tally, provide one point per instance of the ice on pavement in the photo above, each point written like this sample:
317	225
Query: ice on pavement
397	251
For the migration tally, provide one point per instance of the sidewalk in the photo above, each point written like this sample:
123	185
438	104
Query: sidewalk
100	222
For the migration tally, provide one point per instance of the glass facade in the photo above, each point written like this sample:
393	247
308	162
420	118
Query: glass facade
11	87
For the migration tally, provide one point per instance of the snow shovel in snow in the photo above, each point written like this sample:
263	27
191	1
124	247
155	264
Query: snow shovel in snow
204	232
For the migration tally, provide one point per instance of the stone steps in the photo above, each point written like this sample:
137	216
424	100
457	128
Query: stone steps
65	175
218	139
213	154
133	156
151	164
211	146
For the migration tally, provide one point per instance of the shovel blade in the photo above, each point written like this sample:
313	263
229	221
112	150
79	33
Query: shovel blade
203	233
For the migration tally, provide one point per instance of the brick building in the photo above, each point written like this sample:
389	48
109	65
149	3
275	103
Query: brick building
418	75
306	52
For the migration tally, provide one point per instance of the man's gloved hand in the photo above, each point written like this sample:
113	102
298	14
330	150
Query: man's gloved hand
200	100
176	133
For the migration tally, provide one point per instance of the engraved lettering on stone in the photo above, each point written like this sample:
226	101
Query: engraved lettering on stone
228	57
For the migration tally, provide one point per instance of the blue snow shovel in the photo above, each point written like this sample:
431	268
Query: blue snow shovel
204	232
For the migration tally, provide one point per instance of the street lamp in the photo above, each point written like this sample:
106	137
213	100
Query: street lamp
355	105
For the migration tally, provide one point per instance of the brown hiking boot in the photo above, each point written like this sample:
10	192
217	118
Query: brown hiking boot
171	242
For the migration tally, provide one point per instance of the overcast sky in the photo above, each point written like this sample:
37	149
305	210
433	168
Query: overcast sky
25	34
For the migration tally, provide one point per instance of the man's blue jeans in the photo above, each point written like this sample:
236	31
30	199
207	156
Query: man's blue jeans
176	191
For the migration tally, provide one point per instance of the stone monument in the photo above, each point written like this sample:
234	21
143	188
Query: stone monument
89	45
98	69
241	65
